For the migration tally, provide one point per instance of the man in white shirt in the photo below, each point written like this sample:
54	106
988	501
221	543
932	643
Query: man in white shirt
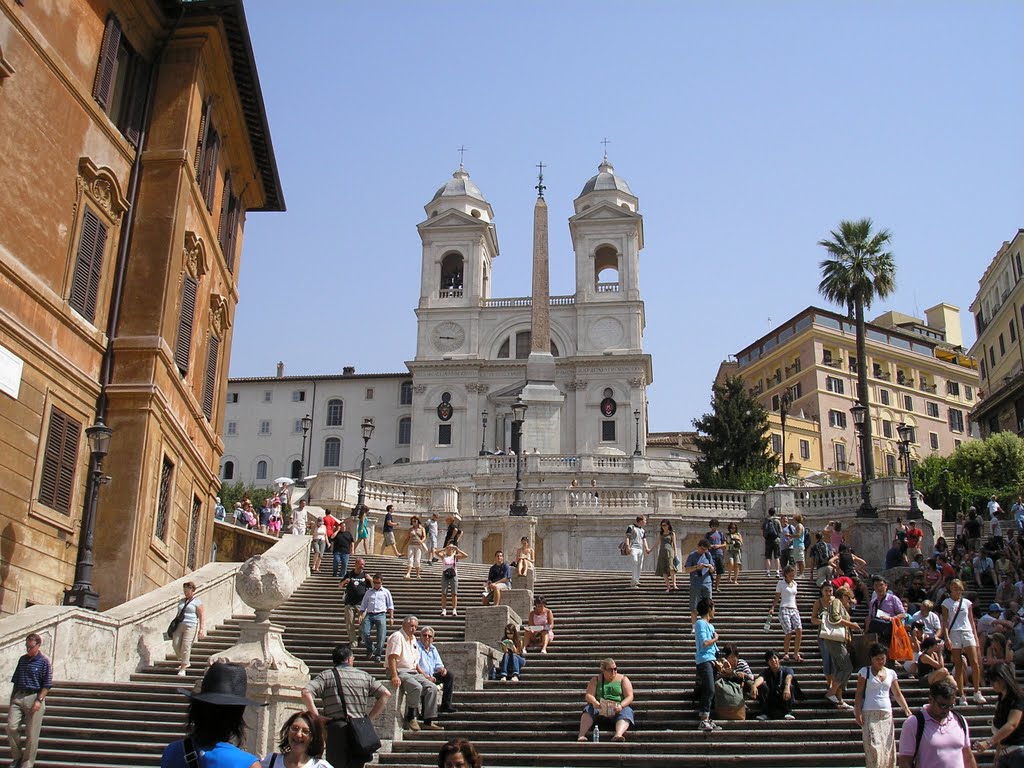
299	519
404	669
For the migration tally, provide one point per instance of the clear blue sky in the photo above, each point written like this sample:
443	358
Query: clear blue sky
746	129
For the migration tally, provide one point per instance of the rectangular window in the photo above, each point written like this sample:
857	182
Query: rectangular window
913	435
968	392
210	380
992	356
933	409
956	420
444	434
775	402
984	369
908	403
299	396
776	443
826	356
933	440
890	465
265	427
795	392
207	149
60	459
805	450
85	279
883	396
957	444
268	396
1013	329
369	393
193	533
837	419
1002	345
121	82
841	465
405	431
953	388
228	227
163	504
607	431
297	427
232	428
405	393
232	397
832	384
886	428
183	344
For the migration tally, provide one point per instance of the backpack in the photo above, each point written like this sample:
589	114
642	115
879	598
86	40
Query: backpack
822	553
920	729
771	528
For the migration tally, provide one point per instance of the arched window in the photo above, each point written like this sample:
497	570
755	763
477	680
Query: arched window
261	470
606	270
523	342
229	470
332	452
405	430
296	469
335	410
405	396
503	350
451	276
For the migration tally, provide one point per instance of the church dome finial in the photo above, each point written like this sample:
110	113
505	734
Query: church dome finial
460	185
606	180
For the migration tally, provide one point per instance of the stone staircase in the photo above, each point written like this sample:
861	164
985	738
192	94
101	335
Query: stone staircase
529	723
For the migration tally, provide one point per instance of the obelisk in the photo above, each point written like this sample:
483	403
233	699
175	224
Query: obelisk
542	430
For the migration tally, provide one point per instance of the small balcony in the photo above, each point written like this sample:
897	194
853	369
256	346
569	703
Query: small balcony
608	287
926	387
833	363
878	373
450	293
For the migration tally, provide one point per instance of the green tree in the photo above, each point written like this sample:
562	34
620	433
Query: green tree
733	441
858	270
973	473
230	493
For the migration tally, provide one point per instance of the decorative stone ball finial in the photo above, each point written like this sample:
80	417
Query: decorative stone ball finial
264	583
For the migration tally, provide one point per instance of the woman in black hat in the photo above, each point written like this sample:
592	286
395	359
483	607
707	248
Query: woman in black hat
214	723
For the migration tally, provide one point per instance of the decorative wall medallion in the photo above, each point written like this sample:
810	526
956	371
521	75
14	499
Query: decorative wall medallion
608	407
448	336
195	255
102	187
444	408
606	333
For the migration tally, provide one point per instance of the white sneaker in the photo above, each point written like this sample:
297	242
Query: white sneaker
962	702
762	718
545	650
181	673
444	611
778	574
788	716
979	698
454	612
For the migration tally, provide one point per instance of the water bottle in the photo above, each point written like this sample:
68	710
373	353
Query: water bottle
767	622
597	734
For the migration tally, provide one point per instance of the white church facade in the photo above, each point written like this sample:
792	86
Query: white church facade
472	350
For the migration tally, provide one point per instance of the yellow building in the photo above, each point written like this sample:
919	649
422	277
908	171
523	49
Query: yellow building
134	143
918	375
998	317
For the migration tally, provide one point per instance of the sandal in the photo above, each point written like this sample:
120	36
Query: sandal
785	658
618	738
582	739
798	657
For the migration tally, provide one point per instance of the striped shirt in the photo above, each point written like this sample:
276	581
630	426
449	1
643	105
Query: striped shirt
33	673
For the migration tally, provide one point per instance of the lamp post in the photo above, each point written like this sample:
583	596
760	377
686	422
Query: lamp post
636	416
860	415
906	434
518	507
81	593
483	433
367	428
784	403
306	424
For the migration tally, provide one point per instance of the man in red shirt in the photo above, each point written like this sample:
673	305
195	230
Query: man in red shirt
330	522
914	536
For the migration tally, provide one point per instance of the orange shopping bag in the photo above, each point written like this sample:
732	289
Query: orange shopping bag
900	648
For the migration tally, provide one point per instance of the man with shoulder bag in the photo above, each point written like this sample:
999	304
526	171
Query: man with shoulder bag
346	693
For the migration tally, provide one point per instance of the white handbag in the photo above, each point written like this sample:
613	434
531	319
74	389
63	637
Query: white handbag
830	630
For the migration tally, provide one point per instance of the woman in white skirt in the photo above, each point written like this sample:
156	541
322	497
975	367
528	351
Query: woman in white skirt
193	624
872	708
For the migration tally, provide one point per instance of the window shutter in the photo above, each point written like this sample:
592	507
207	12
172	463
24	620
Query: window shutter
204	128
85	279
60	457
210	169
210	384
225	215
229	253
183	345
136	106
106	70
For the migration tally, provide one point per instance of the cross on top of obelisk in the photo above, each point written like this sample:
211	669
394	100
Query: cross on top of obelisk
462	154
540	181
606	142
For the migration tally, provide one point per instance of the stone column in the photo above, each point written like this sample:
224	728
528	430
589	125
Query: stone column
274	675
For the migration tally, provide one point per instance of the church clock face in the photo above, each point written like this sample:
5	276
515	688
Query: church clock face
448	336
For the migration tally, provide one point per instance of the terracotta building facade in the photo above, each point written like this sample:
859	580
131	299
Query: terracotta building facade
135	143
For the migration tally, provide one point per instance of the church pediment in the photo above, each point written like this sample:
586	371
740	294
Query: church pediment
451	218
604	212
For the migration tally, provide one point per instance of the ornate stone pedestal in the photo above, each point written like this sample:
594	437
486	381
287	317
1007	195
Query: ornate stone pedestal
274	675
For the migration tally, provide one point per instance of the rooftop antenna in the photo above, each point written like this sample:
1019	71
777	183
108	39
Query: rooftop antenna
540	181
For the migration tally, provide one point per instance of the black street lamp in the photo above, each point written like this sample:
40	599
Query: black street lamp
784	404
636	416
367	428
483	433
81	593
860	415
306	424
518	506
906	434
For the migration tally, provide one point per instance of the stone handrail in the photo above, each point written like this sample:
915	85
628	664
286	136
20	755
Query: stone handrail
113	644
709	499
831	496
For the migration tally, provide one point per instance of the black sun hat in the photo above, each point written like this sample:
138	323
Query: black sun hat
224	684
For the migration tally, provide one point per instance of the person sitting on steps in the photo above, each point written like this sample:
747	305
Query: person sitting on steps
513	657
540	625
499	578
609	697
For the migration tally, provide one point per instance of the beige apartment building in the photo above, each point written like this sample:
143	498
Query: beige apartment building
919	374
998	316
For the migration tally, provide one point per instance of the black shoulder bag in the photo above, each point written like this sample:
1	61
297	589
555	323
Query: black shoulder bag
176	621
360	734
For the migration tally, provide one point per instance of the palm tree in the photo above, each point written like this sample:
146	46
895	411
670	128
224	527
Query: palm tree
857	270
